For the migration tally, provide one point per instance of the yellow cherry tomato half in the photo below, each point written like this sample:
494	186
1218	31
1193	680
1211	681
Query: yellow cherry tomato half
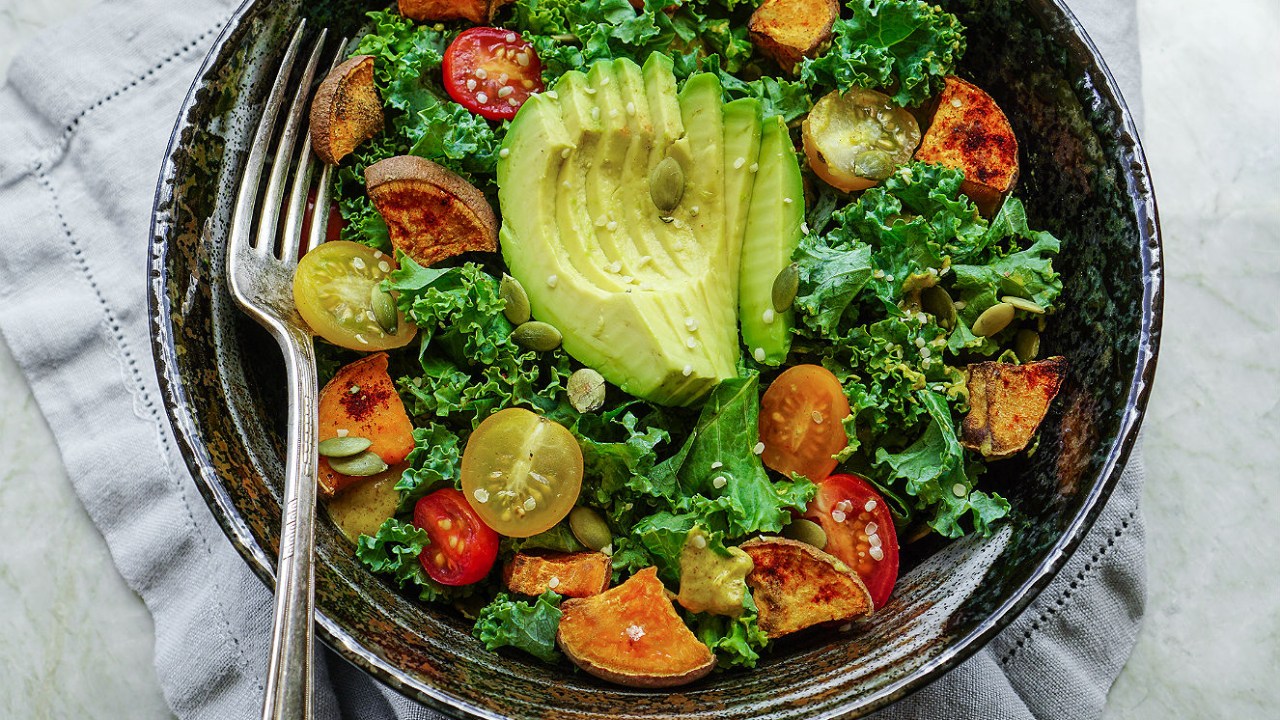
856	139
337	290
521	472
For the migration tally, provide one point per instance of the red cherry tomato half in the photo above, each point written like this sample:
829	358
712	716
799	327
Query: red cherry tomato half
333	226
491	71
462	549
859	531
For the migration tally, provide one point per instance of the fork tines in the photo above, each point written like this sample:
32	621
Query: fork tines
265	235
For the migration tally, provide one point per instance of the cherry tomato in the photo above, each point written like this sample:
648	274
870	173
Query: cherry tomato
521	472
859	531
334	288
857	138
333	224
801	424
491	71
462	548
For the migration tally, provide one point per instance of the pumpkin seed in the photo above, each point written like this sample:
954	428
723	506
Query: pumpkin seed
806	531
1027	345
937	302
1023	304
384	309
586	390
590	528
785	287
537	336
993	320
516	300
363	465
341	447
666	184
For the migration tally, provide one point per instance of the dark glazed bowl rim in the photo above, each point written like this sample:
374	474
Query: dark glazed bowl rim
1139	190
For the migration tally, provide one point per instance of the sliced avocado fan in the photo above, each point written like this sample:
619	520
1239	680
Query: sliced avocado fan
624	208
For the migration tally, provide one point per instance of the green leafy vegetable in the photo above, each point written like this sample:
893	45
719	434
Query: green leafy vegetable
394	551
515	623
716	474
558	539
859	311
787	98
934	469
737	642
433	464
904	46
421	120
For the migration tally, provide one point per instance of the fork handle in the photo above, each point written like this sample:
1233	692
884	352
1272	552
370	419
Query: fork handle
288	690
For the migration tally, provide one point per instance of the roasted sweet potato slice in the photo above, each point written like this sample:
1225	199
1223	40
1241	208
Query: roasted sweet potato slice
788	30
431	213
970	132
479	12
578	575
796	585
346	110
631	635
361	401
1007	404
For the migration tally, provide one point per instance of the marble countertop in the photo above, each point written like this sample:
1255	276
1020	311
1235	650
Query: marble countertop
76	642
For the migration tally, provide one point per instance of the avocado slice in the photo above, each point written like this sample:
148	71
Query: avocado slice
774	227
741	155
646	297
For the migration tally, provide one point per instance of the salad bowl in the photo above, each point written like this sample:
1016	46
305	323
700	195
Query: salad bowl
1084	178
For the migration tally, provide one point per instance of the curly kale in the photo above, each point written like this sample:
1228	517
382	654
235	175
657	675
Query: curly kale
906	47
859	312
515	623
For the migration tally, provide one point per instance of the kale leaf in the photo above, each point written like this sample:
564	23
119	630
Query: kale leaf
736	641
906	47
860	314
394	551
433	464
515	623
786	98
935	473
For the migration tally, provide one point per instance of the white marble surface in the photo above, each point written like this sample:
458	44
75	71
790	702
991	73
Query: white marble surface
76	642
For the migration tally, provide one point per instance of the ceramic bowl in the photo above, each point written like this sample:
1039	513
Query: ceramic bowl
1084	178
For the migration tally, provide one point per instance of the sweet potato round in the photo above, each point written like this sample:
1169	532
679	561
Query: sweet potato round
796	586
346	110
631	635
970	132
431	213
374	411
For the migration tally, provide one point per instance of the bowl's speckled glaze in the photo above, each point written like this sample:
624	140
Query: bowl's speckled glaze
1084	178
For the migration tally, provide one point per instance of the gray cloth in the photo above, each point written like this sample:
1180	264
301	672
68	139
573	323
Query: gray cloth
84	122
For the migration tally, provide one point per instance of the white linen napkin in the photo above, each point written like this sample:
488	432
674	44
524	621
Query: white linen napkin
84	123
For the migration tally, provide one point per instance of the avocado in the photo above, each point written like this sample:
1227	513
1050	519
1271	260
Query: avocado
741	156
774	226
644	296
711	582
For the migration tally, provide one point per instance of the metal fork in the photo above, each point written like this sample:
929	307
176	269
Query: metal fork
262	255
